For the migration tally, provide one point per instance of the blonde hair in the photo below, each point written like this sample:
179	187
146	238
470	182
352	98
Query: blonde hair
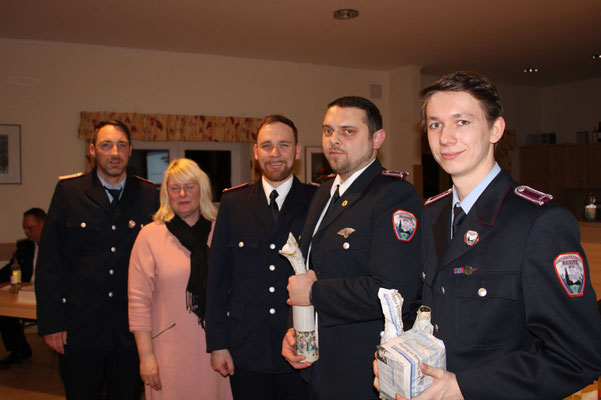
186	170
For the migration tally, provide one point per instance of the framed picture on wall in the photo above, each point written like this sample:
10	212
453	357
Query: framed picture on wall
317	168
10	154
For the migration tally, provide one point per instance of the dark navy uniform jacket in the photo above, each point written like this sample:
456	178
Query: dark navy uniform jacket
81	273
24	253
246	292
350	270
513	326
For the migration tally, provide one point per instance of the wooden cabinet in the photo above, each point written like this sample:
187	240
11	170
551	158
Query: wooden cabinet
542	168
582	166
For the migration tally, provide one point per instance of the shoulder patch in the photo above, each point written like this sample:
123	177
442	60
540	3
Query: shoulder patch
532	195
404	224
143	180
439	196
569	268
235	187
396	174
76	175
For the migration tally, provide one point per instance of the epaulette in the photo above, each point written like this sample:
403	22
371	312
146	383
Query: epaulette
76	175
438	197
235	187
330	176
533	195
396	174
143	180
314	184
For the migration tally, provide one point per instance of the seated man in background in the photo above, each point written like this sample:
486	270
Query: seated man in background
26	254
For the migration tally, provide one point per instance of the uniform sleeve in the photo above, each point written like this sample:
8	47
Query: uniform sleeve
220	275
565	354
393	264
141	283
50	272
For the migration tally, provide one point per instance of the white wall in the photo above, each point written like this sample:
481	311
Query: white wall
44	86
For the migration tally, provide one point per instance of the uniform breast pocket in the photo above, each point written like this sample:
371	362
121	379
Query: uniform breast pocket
485	310
82	233
244	251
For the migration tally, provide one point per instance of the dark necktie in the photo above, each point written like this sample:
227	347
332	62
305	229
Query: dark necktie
273	205
458	215
115	193
335	198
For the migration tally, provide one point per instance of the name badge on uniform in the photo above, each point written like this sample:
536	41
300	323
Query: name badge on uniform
404	224
471	238
569	268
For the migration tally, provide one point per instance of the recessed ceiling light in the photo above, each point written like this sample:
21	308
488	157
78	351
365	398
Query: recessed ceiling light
530	70
346	13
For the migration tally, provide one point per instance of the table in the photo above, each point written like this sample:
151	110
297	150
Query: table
18	305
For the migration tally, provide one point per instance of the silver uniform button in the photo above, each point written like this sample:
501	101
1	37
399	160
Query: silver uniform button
83	224
240	244
346	245
272	311
64	300
111	272
272	246
113	249
482	292
272	267
442	290
110	294
435	327
423	275
271	289
114	227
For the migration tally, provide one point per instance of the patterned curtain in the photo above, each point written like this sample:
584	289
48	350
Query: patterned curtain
174	127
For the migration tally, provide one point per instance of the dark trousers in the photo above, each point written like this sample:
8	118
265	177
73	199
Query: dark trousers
250	385
13	336
89	373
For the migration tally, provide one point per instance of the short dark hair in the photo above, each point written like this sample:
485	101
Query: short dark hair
271	119
465	81
37	213
374	118
114	122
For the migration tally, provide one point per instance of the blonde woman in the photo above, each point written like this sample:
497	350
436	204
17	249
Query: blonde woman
166	289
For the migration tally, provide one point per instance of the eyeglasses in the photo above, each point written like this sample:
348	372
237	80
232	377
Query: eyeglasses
187	188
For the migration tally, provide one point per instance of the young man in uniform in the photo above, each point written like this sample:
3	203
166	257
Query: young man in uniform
504	271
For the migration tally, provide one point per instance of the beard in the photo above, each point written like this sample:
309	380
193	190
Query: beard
278	175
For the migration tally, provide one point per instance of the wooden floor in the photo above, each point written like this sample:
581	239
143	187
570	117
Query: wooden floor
33	379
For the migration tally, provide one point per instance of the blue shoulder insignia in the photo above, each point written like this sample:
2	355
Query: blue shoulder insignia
76	175
235	187
532	195
439	196
395	174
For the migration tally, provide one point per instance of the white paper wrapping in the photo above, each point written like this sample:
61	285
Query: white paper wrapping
303	317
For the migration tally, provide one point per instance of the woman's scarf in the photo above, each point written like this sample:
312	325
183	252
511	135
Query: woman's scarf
194	238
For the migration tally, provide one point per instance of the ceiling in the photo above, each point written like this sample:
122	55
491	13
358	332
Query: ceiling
497	38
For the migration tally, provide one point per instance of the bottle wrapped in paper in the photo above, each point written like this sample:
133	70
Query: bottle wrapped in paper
399	357
303	317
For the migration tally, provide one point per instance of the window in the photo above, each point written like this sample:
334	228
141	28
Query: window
226	163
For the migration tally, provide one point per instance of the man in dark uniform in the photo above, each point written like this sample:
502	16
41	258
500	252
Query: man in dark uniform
246	294
496	257
11	329
81	275
355	247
